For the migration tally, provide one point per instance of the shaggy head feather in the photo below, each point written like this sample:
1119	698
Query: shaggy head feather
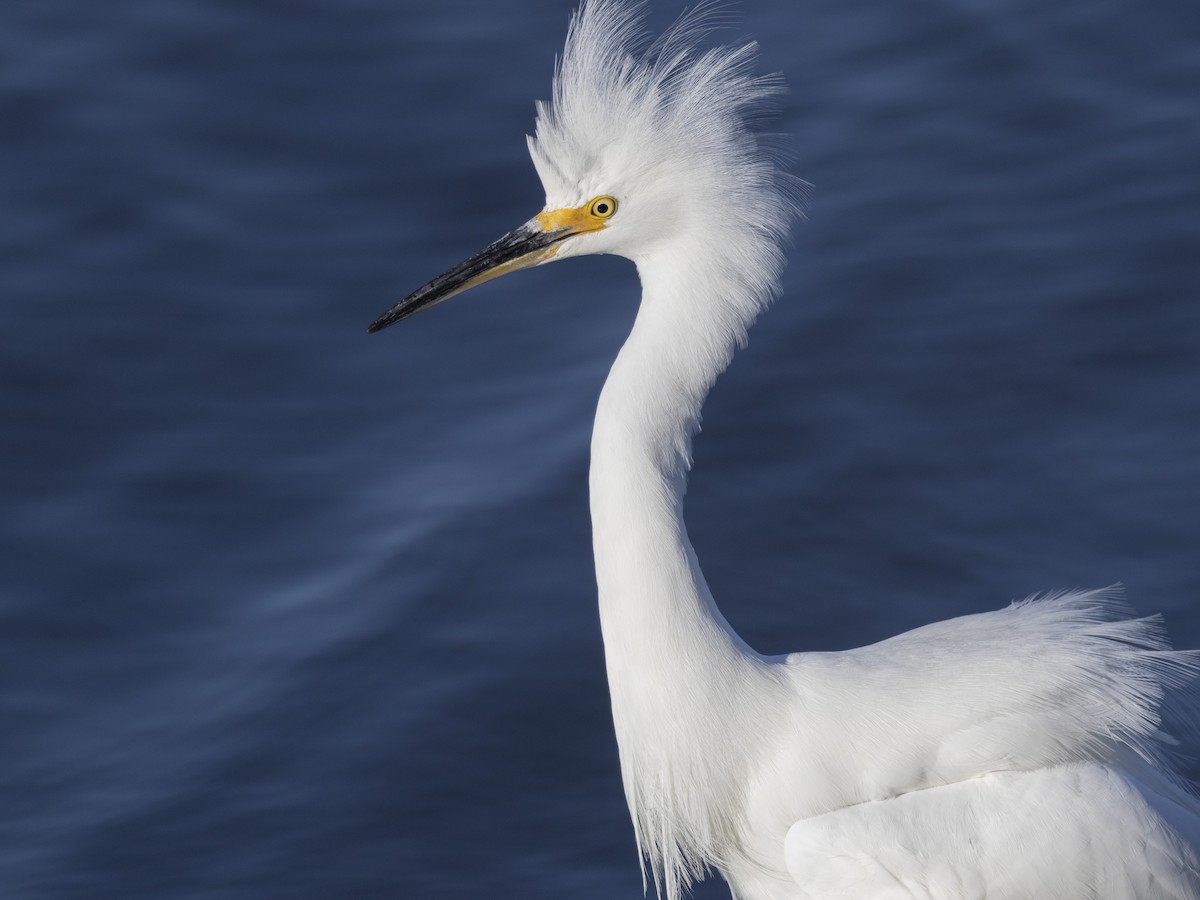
665	127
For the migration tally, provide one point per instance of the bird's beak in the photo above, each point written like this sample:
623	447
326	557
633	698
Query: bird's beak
534	242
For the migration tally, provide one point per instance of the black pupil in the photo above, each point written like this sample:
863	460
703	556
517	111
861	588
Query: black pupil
602	208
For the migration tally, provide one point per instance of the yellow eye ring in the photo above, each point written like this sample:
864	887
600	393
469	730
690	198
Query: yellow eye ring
602	207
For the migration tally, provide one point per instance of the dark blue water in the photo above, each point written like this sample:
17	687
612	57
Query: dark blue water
293	612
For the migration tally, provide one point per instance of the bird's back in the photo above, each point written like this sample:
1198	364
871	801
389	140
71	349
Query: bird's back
1015	748
1046	681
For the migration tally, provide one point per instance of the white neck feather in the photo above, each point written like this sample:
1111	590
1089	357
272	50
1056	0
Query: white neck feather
679	676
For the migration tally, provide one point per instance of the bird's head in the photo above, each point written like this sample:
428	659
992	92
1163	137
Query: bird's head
644	148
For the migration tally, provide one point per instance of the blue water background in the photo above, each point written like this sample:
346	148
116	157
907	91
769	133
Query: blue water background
290	611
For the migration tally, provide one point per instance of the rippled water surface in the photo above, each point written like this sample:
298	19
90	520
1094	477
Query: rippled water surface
293	612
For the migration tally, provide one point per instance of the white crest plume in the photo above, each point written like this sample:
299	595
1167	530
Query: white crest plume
675	120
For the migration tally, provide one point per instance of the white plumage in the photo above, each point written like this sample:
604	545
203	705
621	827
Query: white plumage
1010	755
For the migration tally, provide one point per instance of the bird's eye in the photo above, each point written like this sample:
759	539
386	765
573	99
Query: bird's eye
603	207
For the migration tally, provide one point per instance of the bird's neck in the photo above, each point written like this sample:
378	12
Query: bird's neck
678	674
653	597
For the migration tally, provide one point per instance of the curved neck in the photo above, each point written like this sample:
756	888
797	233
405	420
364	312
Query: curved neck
680	678
653	596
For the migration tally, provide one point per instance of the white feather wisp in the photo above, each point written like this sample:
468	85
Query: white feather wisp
668	127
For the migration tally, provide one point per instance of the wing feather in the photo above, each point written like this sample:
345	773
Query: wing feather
1082	830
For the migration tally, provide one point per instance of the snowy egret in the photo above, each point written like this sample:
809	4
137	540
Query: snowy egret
1012	754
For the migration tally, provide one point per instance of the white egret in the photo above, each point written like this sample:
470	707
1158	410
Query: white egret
1012	754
